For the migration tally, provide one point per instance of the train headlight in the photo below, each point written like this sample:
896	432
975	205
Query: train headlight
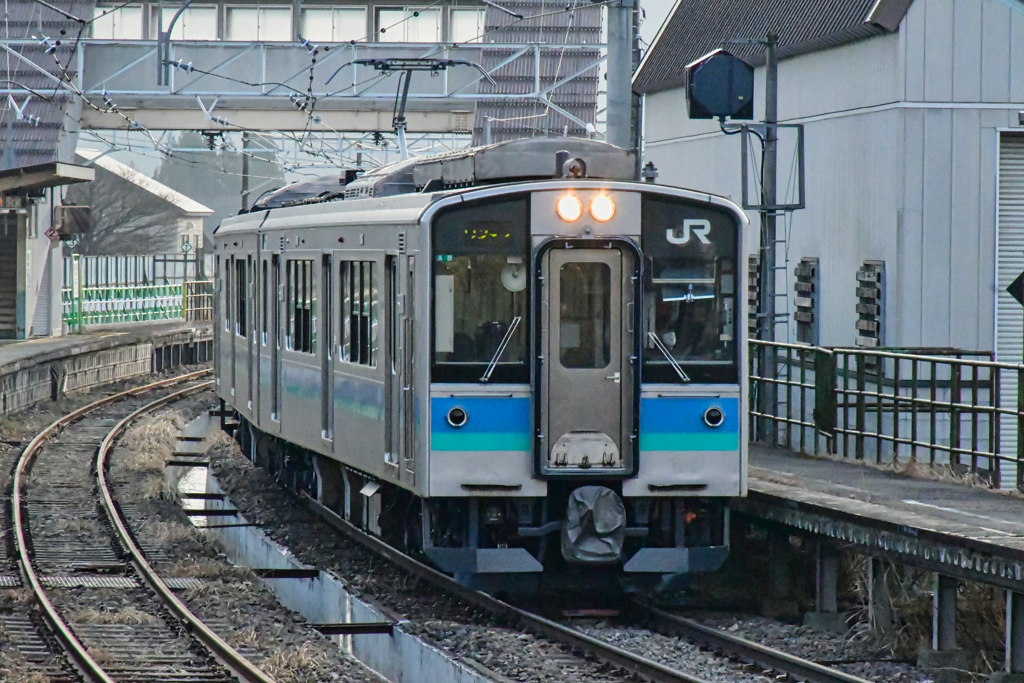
602	208
569	208
714	417
457	417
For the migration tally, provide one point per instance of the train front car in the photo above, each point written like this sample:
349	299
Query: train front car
587	385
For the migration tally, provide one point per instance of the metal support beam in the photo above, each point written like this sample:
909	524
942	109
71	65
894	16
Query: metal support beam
280	118
944	613
620	73
826	615
827	579
879	599
768	392
778	564
1014	632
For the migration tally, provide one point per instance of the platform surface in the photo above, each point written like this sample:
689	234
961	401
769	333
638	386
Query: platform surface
17	351
945	507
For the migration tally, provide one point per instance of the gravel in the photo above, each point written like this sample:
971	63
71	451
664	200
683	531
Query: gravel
855	652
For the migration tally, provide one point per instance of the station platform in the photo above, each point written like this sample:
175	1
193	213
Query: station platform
18	352
964	531
38	369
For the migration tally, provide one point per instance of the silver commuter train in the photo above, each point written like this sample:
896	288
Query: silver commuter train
471	355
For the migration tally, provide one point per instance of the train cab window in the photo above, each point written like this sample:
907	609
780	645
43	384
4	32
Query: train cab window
689	298
240	299
481	293
301	305
359	312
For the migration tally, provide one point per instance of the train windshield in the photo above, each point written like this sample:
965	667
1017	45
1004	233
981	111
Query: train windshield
689	293
481	293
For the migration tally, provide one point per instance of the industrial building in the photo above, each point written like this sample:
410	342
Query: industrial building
914	159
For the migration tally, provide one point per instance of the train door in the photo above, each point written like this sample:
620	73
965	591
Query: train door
408	387
327	347
231	297
586	388
277	294
250	335
393	370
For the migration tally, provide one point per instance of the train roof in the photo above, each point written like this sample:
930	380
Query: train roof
407	209
510	161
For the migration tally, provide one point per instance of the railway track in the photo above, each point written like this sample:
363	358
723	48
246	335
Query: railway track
767	657
782	666
110	615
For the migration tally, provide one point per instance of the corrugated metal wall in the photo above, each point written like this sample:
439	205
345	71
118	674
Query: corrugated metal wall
8	275
1009	264
558	23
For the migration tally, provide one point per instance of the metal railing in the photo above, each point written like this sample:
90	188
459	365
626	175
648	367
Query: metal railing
198	303
934	406
88	306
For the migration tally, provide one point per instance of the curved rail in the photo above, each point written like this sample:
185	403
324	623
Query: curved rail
768	657
225	654
616	656
73	647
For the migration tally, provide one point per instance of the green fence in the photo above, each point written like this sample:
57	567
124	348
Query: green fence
88	306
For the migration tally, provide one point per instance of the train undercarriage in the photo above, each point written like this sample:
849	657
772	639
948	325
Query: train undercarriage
513	545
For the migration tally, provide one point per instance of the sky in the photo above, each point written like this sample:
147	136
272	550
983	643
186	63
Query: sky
656	11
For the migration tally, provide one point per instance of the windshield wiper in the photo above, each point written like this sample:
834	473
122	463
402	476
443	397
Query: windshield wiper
501	349
668	356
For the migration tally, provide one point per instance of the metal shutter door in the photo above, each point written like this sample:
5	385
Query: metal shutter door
1009	264
41	316
8	274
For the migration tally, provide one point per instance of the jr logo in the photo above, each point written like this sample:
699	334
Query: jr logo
700	228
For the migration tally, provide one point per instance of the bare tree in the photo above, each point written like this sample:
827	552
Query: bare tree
126	219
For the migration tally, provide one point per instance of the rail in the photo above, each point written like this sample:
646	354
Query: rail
768	657
892	406
225	654
62	632
616	656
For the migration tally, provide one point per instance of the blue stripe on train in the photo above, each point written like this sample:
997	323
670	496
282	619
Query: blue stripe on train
494	424
677	424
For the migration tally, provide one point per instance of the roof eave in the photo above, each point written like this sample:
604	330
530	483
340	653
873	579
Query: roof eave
888	14
850	35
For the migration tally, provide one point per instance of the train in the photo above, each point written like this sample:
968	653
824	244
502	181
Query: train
517	360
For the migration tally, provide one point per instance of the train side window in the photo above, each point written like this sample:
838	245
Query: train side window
359	312
240	299
300	303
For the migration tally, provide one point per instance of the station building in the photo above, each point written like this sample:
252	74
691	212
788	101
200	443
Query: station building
914	160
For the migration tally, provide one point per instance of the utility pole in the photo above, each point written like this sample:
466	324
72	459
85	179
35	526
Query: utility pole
245	171
619	109
768	394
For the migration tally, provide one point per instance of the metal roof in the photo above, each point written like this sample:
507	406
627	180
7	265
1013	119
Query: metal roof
696	27
28	65
556	22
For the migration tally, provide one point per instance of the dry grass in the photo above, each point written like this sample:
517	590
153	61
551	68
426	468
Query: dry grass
205	568
249	637
164	533
128	615
980	615
148	444
295	664
99	655
15	598
151	487
73	525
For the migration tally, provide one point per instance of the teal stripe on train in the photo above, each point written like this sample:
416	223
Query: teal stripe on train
495	424
677	424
